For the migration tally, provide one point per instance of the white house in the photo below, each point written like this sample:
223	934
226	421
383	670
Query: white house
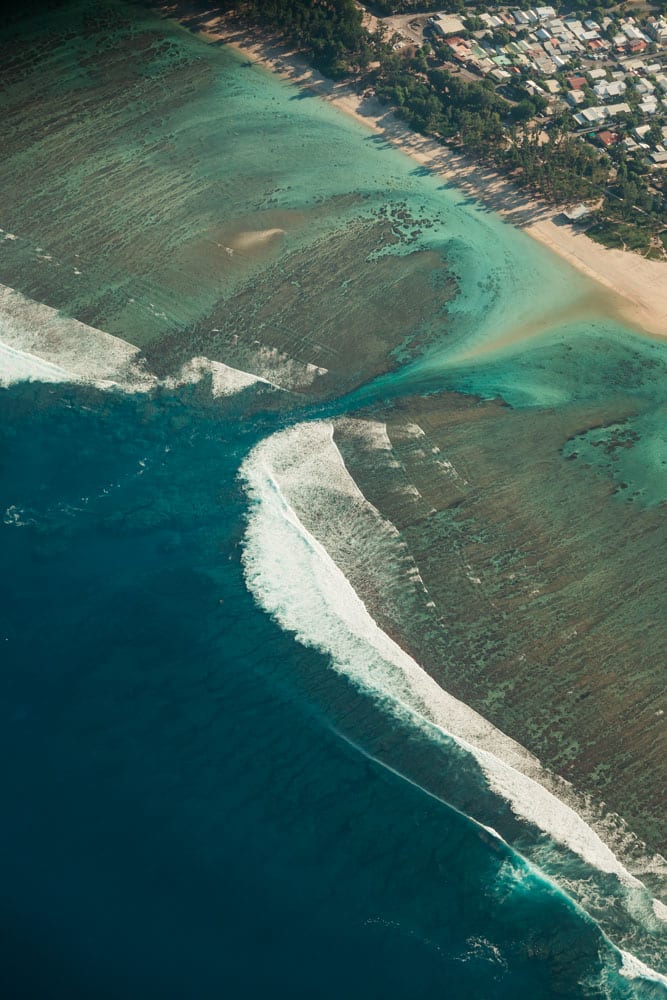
605	89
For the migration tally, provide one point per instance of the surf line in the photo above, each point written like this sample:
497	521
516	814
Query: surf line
292	576
630	967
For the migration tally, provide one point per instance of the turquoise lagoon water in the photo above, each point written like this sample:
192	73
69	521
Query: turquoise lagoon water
204	797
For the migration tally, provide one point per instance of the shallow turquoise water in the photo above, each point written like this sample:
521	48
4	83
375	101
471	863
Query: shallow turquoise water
197	803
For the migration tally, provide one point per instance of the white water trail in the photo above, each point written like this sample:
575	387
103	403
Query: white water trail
292	576
37	343
40	344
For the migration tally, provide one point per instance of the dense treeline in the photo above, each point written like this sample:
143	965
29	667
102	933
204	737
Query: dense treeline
561	168
449	106
330	32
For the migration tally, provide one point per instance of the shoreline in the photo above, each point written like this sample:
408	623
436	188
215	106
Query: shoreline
638	285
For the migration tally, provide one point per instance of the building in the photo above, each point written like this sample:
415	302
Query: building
576	213
545	13
607	138
604	89
657	29
596	116
447	24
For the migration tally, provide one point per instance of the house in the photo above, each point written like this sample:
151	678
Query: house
575	98
590	116
460	48
657	29
605	89
576	213
659	159
618	109
545	13
595	116
632	33
597	47
576	82
575	27
607	138
499	74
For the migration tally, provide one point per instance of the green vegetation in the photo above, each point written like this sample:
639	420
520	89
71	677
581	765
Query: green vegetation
330	33
499	125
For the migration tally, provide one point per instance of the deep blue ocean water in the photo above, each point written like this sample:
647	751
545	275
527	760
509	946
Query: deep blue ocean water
195	804
185	811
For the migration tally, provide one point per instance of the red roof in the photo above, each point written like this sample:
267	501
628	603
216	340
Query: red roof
608	138
576	82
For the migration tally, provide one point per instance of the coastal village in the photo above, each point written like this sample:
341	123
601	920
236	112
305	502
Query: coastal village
605	79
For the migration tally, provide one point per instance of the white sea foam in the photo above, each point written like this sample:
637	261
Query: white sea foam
372	432
17	517
226	381
283	371
634	968
293	577
414	430
37	343
20	366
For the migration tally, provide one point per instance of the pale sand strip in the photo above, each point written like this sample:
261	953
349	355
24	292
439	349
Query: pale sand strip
640	285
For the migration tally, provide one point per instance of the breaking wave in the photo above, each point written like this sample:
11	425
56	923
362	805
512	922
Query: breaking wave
293	577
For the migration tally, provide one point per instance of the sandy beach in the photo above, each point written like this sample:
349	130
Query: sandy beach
639	286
